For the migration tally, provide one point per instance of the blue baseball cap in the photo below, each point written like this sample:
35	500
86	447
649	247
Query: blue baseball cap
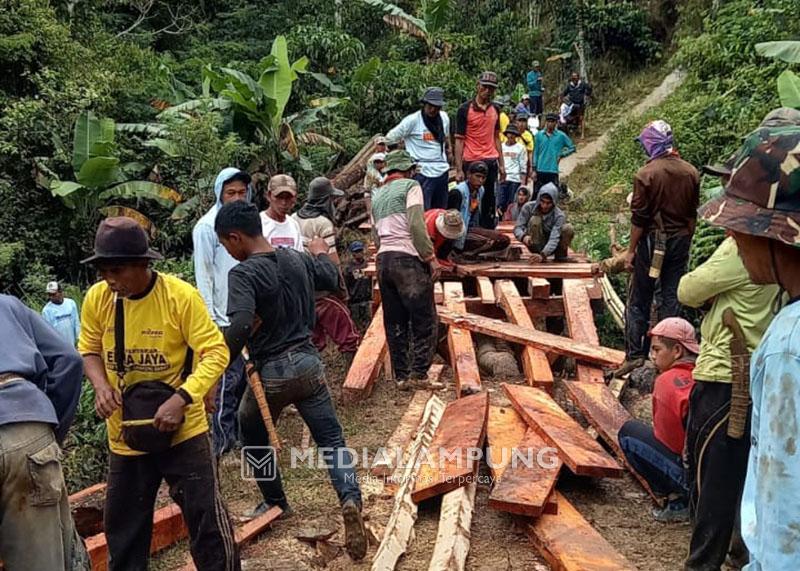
357	246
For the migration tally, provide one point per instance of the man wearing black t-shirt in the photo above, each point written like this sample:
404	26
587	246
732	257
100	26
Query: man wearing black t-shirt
277	287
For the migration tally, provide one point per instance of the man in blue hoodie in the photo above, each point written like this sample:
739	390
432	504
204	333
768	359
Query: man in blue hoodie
40	382
211	266
542	226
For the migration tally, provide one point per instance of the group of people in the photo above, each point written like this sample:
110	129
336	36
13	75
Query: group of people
721	449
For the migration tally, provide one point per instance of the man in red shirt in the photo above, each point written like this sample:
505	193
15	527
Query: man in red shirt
444	228
477	138
655	452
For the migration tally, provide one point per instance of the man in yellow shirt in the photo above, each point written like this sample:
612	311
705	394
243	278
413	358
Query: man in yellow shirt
142	330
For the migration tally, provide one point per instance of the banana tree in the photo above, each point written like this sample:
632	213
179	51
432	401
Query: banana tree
99	175
788	81
256	107
435	14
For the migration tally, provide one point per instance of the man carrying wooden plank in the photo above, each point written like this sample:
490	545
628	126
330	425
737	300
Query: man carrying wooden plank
655	452
407	267
40	382
140	330
277	287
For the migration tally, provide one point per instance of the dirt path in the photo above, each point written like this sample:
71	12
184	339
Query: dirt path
593	148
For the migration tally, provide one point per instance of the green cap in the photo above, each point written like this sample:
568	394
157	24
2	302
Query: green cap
762	197
398	160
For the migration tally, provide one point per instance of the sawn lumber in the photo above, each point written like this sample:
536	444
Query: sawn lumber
449	464
455	519
393	451
367	361
581	453
463	360
574	270
526	336
580	322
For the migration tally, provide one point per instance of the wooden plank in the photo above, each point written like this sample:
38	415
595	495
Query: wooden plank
168	528
455	519
463	360
463	427
569	543
529	480
486	290
602	409
521	269
581	453
86	493
400	527
580	322
385	465
438	293
534	361
367	361
538	288
504	430
551	307
526	336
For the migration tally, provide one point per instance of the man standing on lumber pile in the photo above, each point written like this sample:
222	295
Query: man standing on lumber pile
666	192
467	197
477	136
407	267
542	226
141	330
211	266
333	320
425	135
761	206
718	462
271	308
655	452
40	383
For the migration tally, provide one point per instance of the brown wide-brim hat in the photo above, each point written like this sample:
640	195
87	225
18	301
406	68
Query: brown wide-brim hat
762	197
121	238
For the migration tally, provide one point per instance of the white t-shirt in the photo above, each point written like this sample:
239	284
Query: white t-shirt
284	234
421	144
515	158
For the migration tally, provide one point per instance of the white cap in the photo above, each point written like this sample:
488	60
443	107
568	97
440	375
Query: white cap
377	157
52	287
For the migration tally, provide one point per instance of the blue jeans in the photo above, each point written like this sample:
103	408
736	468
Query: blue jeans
298	378
224	426
434	189
660	466
506	194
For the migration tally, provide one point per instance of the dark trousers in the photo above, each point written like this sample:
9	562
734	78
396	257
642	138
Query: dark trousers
660	466
190	471
224	424
535	105
434	189
298	378
717	471
481	241
409	313
542	178
642	289
488	219
506	194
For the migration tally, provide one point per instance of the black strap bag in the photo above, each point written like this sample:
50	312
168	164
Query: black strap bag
141	400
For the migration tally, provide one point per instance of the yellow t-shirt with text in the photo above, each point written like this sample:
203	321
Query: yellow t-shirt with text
159	328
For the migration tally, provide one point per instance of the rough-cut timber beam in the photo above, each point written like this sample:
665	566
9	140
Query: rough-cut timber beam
534	361
581	453
367	361
538	288
486	290
459	342
574	270
580	322
463	427
400	527
452	540
539	339
402	435
569	543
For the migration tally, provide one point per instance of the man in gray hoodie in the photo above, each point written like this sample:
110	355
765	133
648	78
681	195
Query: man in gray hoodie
542	226
211	266
40	382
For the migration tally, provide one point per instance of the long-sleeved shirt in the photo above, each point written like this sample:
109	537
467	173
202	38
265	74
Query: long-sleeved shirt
49	368
421	144
724	279
552	222
398	218
64	318
549	149
470	210
771	500
515	158
577	92
668	186
161	325
534	82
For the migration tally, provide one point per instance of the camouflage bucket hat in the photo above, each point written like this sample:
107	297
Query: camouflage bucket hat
762	197
398	161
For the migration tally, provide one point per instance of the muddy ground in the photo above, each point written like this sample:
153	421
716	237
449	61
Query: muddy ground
618	509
